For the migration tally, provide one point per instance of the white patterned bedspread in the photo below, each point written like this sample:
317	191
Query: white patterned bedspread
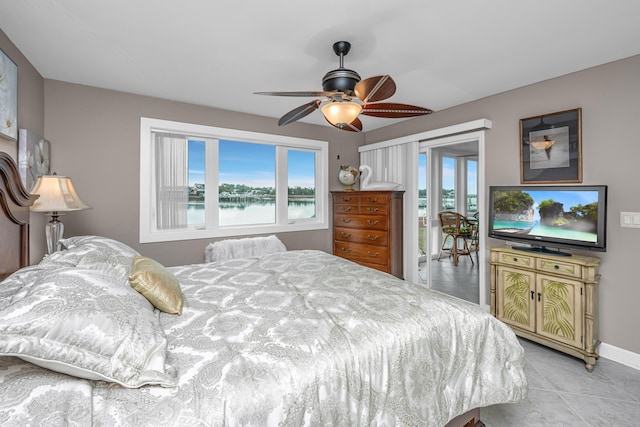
295	338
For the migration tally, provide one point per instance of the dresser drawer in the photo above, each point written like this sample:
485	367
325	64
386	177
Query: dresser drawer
367	222
380	267
560	268
374	209
373	199
369	237
517	260
351	199
346	209
360	252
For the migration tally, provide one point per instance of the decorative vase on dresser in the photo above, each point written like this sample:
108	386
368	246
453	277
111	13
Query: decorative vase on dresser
367	228
549	299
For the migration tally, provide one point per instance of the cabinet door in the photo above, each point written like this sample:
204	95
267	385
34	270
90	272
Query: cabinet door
560	309
515	297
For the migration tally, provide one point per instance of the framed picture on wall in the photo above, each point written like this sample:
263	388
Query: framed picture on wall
551	148
8	97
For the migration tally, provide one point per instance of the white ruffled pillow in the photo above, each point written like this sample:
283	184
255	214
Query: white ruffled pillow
243	248
79	322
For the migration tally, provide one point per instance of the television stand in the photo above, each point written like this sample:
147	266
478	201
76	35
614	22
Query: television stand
548	299
541	250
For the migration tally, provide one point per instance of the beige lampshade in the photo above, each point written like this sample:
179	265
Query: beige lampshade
341	113
56	195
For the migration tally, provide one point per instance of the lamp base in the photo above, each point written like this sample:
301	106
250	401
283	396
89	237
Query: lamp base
54	231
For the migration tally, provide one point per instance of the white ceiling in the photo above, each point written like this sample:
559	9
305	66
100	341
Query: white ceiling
441	53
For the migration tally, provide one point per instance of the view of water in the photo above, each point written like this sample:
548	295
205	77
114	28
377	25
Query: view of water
254	212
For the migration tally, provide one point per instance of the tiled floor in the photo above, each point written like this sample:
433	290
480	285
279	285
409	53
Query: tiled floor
561	391
460	281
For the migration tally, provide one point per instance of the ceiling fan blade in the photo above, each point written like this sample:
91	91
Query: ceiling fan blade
393	111
297	93
354	126
375	89
299	112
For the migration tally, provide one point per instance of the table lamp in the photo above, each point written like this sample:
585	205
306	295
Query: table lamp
56	195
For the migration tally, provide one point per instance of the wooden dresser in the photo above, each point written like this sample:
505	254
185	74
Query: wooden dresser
367	228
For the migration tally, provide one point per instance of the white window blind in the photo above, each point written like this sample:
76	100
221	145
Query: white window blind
172	188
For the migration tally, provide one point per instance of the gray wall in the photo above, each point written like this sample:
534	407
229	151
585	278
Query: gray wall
95	135
609	97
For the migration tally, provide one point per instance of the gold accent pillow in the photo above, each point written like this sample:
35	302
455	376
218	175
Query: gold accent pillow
157	284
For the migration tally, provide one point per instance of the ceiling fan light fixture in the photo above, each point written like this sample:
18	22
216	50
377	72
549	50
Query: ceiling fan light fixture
342	113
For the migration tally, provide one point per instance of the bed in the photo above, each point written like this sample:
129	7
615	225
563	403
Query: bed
289	338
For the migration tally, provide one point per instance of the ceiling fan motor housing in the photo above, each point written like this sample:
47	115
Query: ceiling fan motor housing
340	79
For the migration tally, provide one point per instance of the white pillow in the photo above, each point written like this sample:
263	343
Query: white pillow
78	322
98	242
96	253
243	248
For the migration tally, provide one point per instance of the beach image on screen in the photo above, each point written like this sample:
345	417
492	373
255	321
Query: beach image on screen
547	213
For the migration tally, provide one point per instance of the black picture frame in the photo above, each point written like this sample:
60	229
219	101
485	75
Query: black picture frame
551	148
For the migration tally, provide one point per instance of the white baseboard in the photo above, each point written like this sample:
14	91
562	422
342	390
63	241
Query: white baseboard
619	355
609	351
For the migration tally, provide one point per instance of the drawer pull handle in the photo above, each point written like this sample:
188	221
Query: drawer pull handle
346	199
345	234
346	208
372	223
374	210
370	237
345	250
557	267
373	255
346	220
515	259
374	200
539	295
533	295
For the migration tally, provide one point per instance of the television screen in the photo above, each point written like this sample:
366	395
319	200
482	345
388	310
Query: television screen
550	216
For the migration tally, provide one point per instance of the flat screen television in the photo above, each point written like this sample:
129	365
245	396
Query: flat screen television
550	217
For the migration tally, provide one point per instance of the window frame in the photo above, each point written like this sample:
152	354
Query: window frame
149	232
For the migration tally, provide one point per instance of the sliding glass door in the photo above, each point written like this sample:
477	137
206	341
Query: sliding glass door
448	181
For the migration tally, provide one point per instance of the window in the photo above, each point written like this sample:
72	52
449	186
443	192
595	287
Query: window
301	186
448	200
472	186
200	181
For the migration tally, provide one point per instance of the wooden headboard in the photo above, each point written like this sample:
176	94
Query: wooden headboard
14	218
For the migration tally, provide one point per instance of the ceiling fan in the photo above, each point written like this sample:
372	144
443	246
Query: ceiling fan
341	88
